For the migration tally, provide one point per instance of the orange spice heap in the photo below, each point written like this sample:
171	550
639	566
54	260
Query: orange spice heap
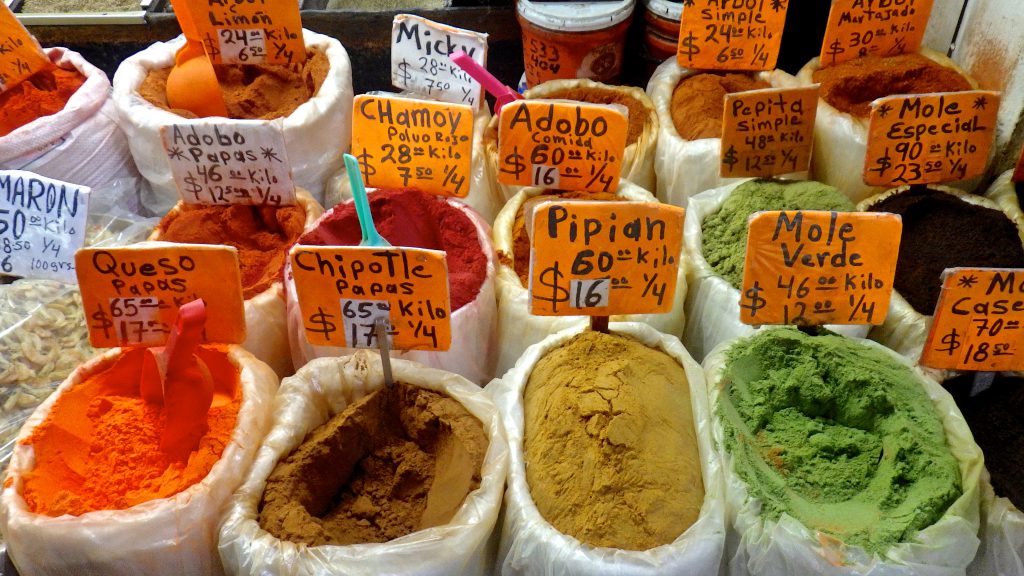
44	93
698	102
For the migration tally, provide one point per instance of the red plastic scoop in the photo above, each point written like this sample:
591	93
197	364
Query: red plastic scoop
502	94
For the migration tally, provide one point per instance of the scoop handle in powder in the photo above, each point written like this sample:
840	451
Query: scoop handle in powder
370	235
502	94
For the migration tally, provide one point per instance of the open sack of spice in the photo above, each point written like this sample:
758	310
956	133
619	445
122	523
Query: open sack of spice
641	136
356	477
1003	191
61	123
612	469
689	105
715	234
518	328
903	497
311	106
942	228
128	466
844	108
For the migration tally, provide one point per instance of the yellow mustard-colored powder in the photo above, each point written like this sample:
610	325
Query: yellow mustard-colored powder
610	446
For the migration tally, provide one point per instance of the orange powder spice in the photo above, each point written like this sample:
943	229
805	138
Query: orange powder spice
99	447
698	101
44	93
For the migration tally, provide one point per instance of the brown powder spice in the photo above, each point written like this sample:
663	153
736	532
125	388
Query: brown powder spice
698	101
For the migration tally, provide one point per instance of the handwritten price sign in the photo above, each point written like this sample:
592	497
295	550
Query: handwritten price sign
420	64
343	290
813	267
402	143
247	32
979	321
20	54
236	162
604	258
863	28
42	223
731	35
564	145
131	295
929	138
768	132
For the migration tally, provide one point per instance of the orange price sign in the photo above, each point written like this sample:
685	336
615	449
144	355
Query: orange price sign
404	142
863	28
731	35
979	321
344	290
929	138
20	54
562	144
131	295
768	132
246	32
604	258
815	267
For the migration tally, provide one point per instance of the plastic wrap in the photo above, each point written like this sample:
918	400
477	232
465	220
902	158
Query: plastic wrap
316	134
531	545
1002	536
167	536
518	328
319	390
786	547
685	168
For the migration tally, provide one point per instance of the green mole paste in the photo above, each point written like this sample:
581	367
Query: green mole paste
394	462
725	231
836	434
942	231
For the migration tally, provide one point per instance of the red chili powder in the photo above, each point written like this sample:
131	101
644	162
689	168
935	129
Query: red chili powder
418	220
42	94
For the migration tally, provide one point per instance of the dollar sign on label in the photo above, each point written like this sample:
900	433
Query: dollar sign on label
756	302
514	163
686	47
549	278
835	49
102	321
403	73
729	158
951	342
321	323
191	185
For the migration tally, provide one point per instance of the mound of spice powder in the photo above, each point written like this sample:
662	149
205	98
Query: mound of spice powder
698	100
44	93
414	219
851	86
942	231
99	446
261	234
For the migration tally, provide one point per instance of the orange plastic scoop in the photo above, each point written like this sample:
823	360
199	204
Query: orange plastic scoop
192	84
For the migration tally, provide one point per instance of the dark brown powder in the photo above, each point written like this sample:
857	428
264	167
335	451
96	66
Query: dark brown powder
639	115
697	102
851	86
942	231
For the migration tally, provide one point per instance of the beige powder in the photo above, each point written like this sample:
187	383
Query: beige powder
611	451
390	464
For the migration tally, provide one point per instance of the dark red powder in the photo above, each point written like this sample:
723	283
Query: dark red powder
414	219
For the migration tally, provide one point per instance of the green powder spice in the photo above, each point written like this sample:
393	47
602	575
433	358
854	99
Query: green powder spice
725	232
838	435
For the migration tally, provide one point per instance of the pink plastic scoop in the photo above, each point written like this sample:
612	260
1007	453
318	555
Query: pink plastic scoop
502	94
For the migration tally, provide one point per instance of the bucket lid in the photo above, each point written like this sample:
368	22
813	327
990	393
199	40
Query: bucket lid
575	16
673	10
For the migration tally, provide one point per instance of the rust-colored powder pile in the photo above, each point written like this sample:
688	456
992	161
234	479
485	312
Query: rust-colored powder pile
639	115
262	236
697	102
851	86
44	93
252	91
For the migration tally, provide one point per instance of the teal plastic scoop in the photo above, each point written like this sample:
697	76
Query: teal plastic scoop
369	232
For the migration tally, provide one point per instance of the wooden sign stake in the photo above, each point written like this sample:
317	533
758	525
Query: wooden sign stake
599	324
381	329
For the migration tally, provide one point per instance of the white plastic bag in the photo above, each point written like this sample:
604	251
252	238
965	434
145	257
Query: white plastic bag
518	329
82	143
1003	192
531	545
1002	536
265	314
758	546
316	134
320	390
169	536
712	304
473	352
685	168
841	140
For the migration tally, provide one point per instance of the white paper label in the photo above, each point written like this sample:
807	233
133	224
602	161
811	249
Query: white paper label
420	64
248	46
360	321
224	162
42	224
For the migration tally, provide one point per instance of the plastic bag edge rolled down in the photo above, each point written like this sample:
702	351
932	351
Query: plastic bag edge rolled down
321	389
169	536
759	546
530	545
316	133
